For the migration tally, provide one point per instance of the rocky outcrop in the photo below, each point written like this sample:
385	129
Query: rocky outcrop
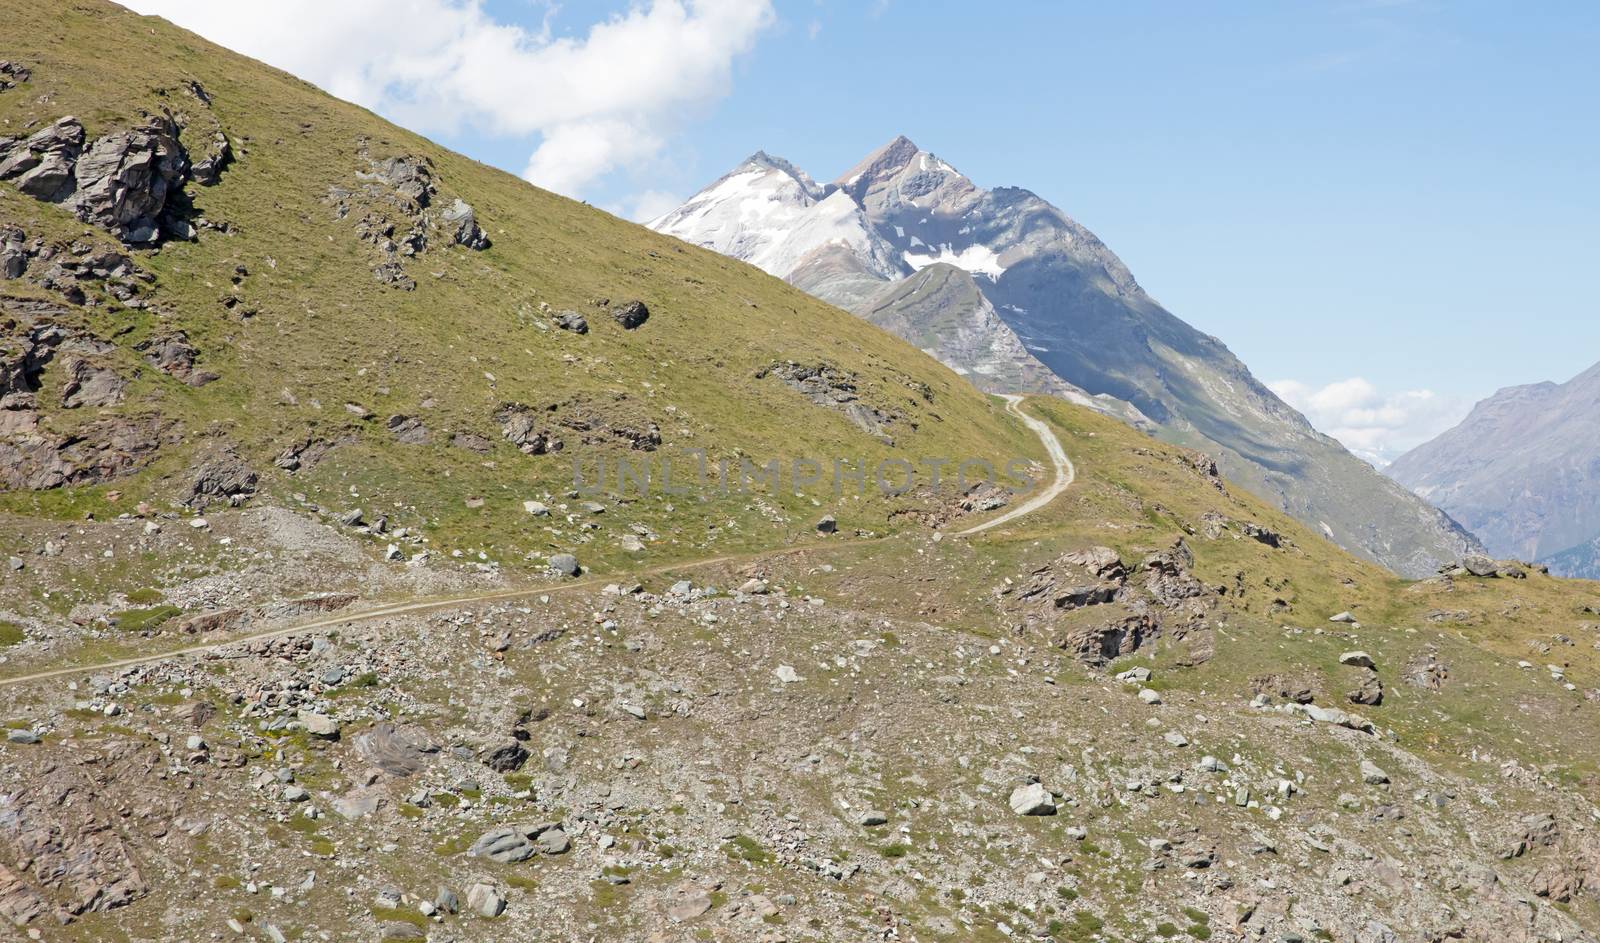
631	315
126	181
825	385
461	222
1097	608
408	430
539	432
89	384
571	321
207	171
520	425
61	849
613	424
13	74
103	450
392	207
33	458
41	164
81	273
221	476
173	355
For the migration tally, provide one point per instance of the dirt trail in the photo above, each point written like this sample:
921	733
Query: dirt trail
1065	474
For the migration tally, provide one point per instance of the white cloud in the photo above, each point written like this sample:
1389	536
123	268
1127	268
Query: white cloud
644	207
1378	426
606	101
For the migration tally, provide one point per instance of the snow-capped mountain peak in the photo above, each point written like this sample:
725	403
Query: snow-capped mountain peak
771	214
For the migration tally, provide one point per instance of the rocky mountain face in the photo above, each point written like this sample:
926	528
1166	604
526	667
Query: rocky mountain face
1015	295
1522	472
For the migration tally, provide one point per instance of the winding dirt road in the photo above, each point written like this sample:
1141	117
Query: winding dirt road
1065	472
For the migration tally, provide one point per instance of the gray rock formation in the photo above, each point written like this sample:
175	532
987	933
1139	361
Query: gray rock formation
461	223
123	181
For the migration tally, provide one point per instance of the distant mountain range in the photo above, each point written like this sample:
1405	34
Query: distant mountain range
1522	472
1015	295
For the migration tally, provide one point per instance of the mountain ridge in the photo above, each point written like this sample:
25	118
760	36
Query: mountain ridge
1522	471
1066	301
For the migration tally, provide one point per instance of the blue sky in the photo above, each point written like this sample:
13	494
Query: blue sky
1390	204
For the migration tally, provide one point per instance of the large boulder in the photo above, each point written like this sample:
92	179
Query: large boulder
461	222
125	179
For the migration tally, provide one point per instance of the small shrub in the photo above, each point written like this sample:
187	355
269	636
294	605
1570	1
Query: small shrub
745	848
141	620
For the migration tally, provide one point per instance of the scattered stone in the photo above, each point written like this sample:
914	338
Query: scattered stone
23	737
553	841
407	430
1032	799
513	843
485	901
827	525
786	674
507	758
687	900
1333	715
565	564
631	315
1369	692
396	749
1344	617
872	818
1372	775
505	845
1149	696
571	321
358	804
1357	660
318	725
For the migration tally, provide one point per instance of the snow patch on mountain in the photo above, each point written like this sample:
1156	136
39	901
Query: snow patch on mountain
977	259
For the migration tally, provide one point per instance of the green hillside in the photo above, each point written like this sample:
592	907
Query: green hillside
282	304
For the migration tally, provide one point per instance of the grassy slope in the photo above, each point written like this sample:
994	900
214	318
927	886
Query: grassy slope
1137	495
327	333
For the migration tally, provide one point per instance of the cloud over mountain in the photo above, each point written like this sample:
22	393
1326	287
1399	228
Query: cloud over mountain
1379	426
604	101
